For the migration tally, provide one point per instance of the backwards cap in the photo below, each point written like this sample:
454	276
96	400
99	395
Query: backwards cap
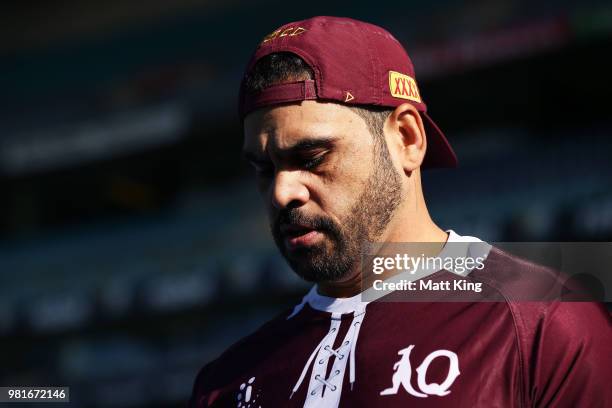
354	63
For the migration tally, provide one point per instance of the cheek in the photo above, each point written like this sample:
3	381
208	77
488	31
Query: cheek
339	190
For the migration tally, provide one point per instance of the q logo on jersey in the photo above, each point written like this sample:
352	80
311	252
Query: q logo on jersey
403	374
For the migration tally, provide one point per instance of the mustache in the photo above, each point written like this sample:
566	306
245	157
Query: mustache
289	216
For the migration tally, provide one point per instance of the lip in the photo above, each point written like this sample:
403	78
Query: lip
303	240
299	236
294	229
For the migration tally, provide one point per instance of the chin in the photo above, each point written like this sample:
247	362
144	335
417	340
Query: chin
317	273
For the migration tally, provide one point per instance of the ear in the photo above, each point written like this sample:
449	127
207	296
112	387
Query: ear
406	136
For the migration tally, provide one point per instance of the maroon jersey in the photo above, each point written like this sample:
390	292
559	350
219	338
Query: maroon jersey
329	352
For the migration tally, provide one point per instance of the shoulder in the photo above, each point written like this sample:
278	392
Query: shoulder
518	279
561	343
230	361
534	292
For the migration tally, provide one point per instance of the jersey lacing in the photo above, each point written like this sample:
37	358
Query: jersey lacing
346	350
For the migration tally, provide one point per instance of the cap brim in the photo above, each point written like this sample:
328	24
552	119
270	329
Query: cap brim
439	154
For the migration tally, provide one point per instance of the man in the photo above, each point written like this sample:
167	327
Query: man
338	134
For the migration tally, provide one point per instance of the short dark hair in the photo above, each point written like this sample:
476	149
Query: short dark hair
282	67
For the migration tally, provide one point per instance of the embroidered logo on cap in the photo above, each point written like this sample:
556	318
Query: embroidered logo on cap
283	32
403	86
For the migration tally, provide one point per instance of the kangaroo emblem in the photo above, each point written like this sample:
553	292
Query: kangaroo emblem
402	375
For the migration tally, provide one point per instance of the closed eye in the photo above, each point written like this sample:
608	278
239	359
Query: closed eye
311	164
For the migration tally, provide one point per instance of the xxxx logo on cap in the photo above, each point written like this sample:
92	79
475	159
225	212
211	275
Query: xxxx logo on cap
403	86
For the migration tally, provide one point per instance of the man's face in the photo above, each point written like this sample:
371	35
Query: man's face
329	186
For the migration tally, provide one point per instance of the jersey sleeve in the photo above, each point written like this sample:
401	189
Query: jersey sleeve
572	357
199	397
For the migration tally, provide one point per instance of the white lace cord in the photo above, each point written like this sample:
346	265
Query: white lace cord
334	352
357	325
359	315
326	382
307	366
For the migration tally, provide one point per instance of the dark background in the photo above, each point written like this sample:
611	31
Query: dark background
133	246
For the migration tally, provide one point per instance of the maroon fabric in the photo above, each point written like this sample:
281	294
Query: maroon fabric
288	92
352	62
510	353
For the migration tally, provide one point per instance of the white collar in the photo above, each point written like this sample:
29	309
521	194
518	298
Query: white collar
332	304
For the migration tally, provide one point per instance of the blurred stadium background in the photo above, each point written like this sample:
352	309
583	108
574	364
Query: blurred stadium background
133	247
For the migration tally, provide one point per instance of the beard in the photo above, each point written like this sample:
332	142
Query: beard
334	258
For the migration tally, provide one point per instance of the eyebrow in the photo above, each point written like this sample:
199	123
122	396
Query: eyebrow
301	146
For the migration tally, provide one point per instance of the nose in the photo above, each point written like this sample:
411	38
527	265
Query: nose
288	191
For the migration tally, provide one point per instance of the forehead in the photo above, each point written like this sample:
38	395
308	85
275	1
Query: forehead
284	125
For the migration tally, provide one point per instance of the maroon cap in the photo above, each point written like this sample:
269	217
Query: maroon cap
354	63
